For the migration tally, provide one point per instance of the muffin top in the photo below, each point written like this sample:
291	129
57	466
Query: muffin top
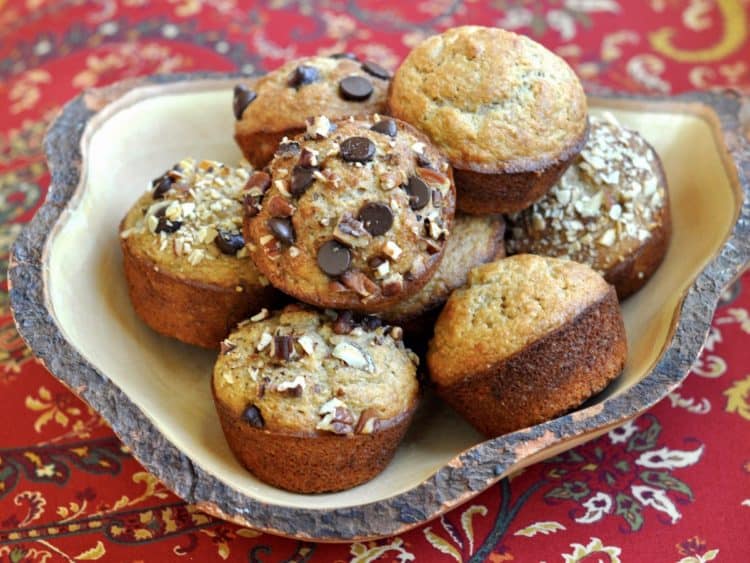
303	371
189	223
605	206
337	86
356	216
474	240
506	306
492	100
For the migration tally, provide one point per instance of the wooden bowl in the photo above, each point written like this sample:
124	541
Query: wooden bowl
70	304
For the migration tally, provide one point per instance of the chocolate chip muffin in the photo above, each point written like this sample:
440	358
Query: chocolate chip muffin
509	114
314	403
527	340
474	240
279	103
610	210
357	214
188	272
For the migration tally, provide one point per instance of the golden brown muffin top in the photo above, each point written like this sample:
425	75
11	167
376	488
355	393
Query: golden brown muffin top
189	223
356	216
474	240
505	307
304	371
604	208
492	100
285	97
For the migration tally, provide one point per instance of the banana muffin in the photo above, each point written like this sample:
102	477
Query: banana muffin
509	114
474	240
527	340
188	272
313	402
354	219
279	103
610	210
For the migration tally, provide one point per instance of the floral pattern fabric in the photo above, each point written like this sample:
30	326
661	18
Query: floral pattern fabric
671	485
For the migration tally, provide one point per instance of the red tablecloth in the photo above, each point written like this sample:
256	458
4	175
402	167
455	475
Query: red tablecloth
674	485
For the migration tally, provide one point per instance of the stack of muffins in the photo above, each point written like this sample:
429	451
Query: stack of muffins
371	210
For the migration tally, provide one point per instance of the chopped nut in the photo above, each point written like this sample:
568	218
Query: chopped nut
367	422
307	343
319	127
359	283
280	207
227	346
295	388
344	323
608	238
392	250
351	231
265	340
261	315
353	356
393	284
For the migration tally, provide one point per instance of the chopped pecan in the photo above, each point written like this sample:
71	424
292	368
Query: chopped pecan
279	207
351	231
259	180
359	283
367	422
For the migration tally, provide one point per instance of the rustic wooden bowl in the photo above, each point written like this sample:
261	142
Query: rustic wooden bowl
71	306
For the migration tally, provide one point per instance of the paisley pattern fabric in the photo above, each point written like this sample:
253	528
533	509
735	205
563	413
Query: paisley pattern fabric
672	485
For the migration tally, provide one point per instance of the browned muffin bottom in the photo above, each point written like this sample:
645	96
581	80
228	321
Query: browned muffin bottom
527	340
509	114
314	402
610	210
356	214
188	272
279	103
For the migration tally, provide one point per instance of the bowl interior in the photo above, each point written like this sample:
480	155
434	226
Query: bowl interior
151	128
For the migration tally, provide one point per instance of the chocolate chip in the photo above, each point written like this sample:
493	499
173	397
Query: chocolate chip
344	323
229	242
167	226
376	217
376	70
283	346
282	229
334	258
302	178
350	56
290	148
252	416
302	75
357	149
161	186
419	193
243	97
371	323
355	88
386	127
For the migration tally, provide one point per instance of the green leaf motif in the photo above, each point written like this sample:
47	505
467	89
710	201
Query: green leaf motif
575	491
17	554
664	480
646	440
630	510
623	466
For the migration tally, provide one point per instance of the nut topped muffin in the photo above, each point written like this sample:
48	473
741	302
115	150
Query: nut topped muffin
526	340
357	214
474	240
279	103
312	402
609	210
188	271
508	113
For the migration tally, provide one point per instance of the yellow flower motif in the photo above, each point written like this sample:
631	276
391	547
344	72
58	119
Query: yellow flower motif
595	546
58	408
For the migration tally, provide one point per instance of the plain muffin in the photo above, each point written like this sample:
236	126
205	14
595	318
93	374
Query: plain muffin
610	210
188	272
474	240
279	103
311	402
509	114
356	216
527	340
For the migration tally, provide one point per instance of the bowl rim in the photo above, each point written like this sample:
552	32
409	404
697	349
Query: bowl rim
466	475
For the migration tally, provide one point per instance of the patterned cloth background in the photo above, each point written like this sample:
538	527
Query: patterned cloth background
673	485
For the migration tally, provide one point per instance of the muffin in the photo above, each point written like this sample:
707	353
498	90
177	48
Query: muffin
509	114
474	240
357	215
610	210
527	340
280	102
311	402
188	272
